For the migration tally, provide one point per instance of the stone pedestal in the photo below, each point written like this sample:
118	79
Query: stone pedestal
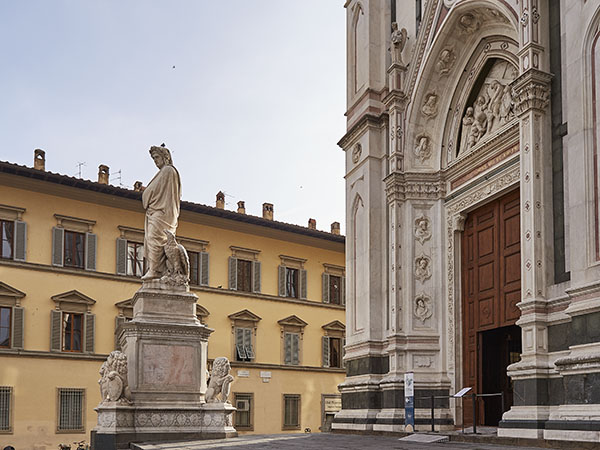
166	349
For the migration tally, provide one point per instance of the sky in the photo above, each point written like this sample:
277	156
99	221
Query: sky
249	96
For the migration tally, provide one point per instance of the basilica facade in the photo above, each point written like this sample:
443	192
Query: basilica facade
473	230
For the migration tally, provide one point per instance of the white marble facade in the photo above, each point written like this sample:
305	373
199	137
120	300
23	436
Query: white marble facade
464	114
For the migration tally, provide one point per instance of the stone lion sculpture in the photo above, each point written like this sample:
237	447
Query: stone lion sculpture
219	385
114	386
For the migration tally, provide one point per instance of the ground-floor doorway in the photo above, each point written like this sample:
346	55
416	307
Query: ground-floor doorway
491	289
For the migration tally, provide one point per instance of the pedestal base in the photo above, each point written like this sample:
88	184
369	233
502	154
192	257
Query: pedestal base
119	426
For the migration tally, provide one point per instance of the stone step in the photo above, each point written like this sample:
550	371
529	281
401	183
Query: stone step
425	438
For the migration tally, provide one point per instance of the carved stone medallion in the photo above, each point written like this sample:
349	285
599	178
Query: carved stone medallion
446	60
422	228
356	152
423	309
422	268
430	105
422	148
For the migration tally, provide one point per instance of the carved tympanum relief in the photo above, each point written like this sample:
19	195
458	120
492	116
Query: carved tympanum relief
493	106
430	105
469	23
422	228
423	308
423	148
446	60
422	268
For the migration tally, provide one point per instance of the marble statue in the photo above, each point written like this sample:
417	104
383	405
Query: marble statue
398	38
161	200
219	385
114	386
178	262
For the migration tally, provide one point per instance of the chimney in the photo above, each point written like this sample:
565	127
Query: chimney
103	173
39	159
268	211
312	224
335	228
220	200
241	207
138	186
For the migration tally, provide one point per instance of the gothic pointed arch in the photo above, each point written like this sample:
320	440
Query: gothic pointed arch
469	35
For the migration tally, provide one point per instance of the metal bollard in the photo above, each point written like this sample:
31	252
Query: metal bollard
432	413
474	396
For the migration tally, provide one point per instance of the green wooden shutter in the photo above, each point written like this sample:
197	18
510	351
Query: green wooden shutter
20	241
90	325
281	281
58	246
239	343
232	273
118	321
17	327
295	349
325	287
203	269
343	290
55	330
256	276
90	251
121	256
325	340
287	348
303	284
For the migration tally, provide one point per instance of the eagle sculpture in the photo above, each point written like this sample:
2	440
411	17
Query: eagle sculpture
178	262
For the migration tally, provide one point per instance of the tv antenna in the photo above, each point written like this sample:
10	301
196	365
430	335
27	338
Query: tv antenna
117	175
79	166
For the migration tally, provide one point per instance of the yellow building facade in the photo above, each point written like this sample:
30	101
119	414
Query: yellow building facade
71	262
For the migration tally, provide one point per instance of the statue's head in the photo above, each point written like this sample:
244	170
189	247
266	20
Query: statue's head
221	366
161	155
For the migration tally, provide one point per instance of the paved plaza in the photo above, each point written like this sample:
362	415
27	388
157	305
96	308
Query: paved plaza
320	441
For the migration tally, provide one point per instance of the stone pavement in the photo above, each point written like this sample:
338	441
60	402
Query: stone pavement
322	441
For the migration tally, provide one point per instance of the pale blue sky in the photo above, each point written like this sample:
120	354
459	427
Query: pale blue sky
254	106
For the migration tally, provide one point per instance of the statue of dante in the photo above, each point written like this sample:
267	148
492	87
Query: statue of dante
161	202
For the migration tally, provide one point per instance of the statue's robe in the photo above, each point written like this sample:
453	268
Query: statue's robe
161	202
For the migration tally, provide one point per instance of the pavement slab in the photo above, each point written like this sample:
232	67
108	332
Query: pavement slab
324	441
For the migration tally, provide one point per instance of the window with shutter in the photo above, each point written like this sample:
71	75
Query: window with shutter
291	411
204	268
325	287
335	289
281	273
232	273
256	276
194	258
20	244
243	344
243	416
121	256
55	330
18	327
74	249
90	251
58	235
325	346
303	284
90	330
244	275
136	264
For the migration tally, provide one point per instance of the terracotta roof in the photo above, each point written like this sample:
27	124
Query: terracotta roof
78	183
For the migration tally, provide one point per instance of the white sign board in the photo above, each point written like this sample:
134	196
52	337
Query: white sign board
264	374
243	373
462	392
409	386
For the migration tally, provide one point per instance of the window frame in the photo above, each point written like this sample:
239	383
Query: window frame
292	325
83	409
331	270
249	396
10	325
8	390
292	278
290	426
333	330
73	302
74	235
11	242
134	262
245	255
66	318
244	319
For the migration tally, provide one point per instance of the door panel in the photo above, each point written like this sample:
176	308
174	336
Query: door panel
491	289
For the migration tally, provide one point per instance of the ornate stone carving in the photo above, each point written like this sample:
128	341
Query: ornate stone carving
423	361
178	262
532	91
423	309
445	61
113	379
398	38
219	385
356	152
422	268
493	107
161	200
422	228
423	148
430	105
